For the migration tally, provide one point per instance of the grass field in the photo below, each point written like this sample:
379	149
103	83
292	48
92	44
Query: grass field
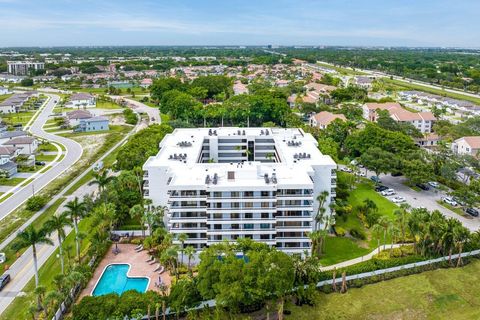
45	157
439	294
338	249
11	181
107	105
113	129
18	118
340	69
4	97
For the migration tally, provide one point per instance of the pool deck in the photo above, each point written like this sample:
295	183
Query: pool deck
138	267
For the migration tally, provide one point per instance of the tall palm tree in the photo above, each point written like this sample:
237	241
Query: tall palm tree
76	210
190	252
321	198
169	257
460	235
58	223
101	179
182	237
32	237
137	212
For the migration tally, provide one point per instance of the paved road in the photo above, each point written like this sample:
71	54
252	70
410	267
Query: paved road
22	269
73	153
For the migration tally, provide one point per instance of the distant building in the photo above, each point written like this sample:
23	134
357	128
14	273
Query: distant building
73	117
323	119
4	90
82	100
282	83
467	145
145	83
93	124
423	121
239	88
364	82
14	103
24	68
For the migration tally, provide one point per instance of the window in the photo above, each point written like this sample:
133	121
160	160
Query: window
248	215
264	226
248	205
248	226
265	215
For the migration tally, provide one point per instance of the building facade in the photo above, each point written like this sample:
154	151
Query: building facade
467	146
228	183
24	68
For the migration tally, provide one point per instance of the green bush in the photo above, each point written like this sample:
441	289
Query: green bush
36	203
340	231
130	116
357	233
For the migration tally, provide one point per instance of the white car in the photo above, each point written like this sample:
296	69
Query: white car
345	169
360	173
450	201
398	199
388	192
434	184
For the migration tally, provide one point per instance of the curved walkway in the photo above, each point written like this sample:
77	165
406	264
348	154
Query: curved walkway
363	258
72	154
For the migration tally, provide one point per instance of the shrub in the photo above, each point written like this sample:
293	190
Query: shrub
130	116
356	233
36	203
340	231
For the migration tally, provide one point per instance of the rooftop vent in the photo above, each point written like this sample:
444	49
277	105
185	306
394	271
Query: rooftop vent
215	179
274	177
207	179
231	175
267	180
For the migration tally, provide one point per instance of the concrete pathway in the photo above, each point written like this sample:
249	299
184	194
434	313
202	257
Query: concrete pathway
363	258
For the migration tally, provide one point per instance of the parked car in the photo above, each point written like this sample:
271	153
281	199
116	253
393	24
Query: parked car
398	199
39	163
450	201
460	202
345	169
423	186
375	179
360	173
388	192
434	184
396	174
381	188
4	279
471	211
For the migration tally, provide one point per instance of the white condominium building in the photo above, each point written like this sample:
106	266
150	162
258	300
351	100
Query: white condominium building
226	183
23	68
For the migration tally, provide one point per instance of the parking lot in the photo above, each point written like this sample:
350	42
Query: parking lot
427	199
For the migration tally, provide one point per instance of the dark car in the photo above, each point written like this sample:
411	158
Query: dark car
396	174
423	186
381	188
472	212
4	279
39	163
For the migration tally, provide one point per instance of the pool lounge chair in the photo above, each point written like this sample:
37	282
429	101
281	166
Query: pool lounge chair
159	266
162	270
139	246
139	249
150	258
153	261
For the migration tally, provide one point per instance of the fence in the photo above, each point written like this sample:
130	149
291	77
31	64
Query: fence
212	303
63	308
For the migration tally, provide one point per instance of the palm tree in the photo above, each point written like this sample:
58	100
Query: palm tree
169	257
320	217
190	252
32	237
182	237
76	210
58	223
101	179
460	236
384	223
40	293
137	212
377	229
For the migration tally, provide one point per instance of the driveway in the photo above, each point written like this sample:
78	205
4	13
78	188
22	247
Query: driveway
153	113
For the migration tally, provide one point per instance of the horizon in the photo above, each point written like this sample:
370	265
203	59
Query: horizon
65	23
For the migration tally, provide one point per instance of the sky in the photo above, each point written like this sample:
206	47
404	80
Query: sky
429	23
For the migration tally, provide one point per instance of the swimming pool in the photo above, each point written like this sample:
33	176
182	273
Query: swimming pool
114	279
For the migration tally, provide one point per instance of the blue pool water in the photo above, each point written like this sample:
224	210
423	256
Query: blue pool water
114	280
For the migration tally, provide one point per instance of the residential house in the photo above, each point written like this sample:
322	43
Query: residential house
282	83
73	118
239	88
467	145
27	145
145	83
93	124
323	119
8	135
7	160
423	121
318	91
364	82
82	100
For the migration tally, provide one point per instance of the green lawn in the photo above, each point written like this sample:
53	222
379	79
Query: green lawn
113	129
45	157
440	294
11	181
17	118
340	69
4	97
107	105
47	147
338	249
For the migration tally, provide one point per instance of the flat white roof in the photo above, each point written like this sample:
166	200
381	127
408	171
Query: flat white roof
288	143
